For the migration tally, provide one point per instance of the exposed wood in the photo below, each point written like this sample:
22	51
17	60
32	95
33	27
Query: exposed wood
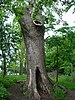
20	81
37	22
30	80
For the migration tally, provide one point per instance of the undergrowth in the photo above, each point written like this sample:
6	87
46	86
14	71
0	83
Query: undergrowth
6	82
9	80
67	81
4	94
59	94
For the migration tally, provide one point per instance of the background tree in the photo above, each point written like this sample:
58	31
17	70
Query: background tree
10	37
65	50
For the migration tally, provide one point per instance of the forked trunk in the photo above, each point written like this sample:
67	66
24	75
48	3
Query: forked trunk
37	80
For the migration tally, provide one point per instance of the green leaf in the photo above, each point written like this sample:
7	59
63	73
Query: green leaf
20	0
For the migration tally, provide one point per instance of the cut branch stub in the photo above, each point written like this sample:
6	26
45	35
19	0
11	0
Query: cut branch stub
37	23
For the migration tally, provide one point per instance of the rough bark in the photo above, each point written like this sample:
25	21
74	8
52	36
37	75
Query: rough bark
37	79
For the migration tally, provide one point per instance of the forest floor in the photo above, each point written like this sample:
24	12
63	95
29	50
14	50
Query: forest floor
16	94
71	95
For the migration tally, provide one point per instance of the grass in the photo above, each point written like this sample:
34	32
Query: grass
67	82
6	82
11	79
59	94
4	94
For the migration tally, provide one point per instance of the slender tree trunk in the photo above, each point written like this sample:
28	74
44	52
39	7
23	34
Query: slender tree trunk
57	68
4	57
37	79
3	52
21	62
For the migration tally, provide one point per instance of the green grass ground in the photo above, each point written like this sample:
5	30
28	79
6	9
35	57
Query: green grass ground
11	79
6	82
66	81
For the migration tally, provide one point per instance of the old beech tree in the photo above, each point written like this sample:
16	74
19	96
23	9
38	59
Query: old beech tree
33	33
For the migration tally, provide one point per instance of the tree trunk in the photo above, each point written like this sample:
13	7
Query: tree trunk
21	62
4	57
57	66
37	79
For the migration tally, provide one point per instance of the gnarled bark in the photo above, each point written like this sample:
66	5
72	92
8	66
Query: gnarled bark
37	79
